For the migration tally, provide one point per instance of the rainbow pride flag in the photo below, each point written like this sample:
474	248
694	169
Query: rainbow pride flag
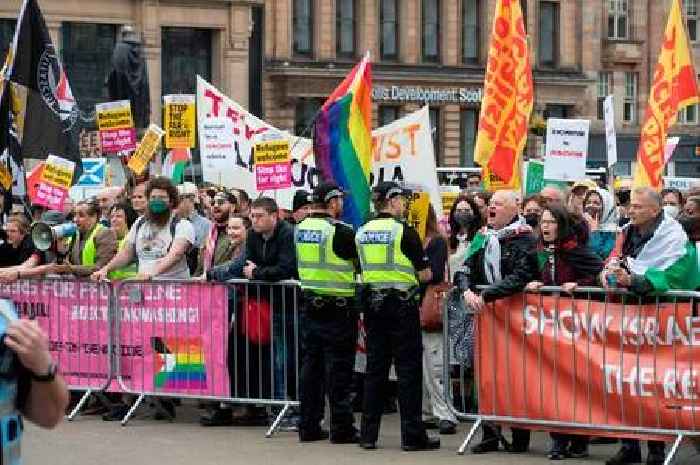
179	364
343	140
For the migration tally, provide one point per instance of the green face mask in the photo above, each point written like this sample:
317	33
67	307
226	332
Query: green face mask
157	206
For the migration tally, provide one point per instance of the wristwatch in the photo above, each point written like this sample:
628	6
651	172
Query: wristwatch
49	376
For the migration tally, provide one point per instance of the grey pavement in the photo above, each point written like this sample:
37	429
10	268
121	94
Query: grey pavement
89	440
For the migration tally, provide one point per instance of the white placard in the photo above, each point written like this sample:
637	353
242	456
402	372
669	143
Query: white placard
567	149
610	136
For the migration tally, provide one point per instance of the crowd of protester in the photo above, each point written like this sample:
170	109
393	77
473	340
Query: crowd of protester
579	235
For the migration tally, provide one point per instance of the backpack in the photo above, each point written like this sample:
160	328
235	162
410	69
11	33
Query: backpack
173	225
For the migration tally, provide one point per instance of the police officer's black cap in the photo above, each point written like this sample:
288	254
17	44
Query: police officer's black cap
302	198
388	189
53	217
326	191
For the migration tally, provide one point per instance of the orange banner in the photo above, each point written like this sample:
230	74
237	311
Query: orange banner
581	361
508	98
674	87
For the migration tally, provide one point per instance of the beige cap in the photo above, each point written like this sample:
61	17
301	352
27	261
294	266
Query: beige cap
187	188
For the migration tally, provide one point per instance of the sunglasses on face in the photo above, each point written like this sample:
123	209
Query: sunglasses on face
219	202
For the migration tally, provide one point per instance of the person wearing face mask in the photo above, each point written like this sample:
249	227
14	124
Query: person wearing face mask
159	240
673	202
532	211
602	219
564	261
465	220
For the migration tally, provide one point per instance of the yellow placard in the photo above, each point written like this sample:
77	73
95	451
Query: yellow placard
114	115
58	172
5	177
272	152
179	121
146	149
448	199
418	212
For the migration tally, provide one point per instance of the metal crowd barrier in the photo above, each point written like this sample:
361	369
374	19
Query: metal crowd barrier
75	315
599	361
233	342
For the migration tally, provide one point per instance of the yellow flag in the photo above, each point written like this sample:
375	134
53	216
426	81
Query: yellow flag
674	87
508	99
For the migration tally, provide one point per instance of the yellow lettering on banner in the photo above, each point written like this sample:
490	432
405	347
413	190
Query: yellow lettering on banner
273	152
418	212
5	177
146	149
179	121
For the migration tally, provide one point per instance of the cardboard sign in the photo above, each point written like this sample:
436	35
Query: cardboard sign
94	172
179	121
146	149
272	169
566	149
534	179
117	132
418	212
610	136
54	183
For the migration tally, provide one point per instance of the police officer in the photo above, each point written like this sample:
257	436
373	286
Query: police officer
393	262
326	257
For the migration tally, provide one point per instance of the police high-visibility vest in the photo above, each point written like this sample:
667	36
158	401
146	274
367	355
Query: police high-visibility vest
320	269
384	265
89	253
128	271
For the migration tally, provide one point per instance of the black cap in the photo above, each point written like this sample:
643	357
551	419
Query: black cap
53	217
326	191
388	189
302	198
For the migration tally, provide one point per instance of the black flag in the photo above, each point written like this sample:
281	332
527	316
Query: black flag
44	111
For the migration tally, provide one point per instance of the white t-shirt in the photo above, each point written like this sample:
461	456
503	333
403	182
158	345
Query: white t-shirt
153	243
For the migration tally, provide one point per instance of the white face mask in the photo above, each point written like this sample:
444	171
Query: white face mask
671	211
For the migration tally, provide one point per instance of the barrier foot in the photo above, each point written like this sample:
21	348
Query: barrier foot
133	408
469	437
276	423
79	405
674	449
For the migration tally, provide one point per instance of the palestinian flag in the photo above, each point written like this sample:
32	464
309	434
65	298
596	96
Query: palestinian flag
682	274
175	163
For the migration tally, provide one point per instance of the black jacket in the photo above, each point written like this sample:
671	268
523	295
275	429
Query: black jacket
518	267
275	258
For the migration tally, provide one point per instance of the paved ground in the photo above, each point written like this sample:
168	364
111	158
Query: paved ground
89	440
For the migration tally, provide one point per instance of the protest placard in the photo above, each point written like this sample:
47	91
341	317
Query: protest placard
272	169
566	149
117	132
179	121
54	183
5	177
146	149
418	212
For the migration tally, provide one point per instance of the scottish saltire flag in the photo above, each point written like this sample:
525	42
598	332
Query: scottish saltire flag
343	140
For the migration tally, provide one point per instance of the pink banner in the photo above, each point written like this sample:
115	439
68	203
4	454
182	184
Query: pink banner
118	140
51	197
74	315
273	176
182	330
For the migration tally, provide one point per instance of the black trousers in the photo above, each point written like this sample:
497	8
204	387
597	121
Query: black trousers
657	447
328	338
393	332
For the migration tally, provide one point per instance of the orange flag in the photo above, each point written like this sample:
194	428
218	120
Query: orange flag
508	99
674	87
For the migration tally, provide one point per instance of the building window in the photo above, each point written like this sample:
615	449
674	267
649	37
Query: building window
617	19
186	53
604	83
688	115
470	31
388	114
431	30
630	104
87	60
549	34
303	27
555	110
306	110
7	33
389	34
345	11
435	133
690	8
468	128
